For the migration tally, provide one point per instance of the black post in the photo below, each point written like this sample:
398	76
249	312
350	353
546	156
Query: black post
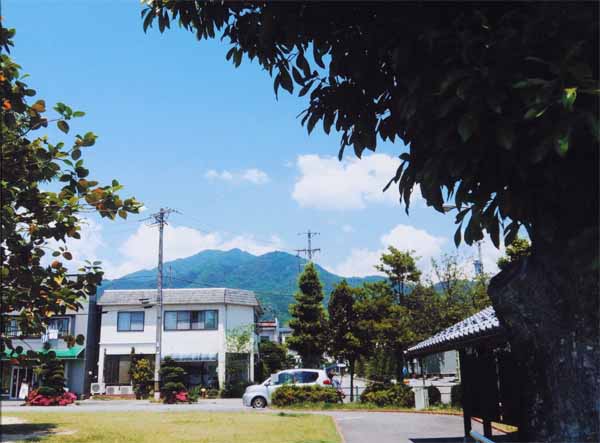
465	381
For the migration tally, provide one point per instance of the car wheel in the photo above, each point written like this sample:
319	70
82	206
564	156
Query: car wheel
259	402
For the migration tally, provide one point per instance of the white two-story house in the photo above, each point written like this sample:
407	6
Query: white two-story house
195	326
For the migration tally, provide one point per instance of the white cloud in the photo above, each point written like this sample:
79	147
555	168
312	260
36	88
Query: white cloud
251	175
361	262
255	176
87	247
139	251
347	228
326	183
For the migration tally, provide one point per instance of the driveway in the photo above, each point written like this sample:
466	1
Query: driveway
355	426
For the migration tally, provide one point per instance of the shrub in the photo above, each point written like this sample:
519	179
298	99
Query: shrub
291	395
172	381
37	398
435	398
234	389
142	377
456	396
389	394
52	377
194	394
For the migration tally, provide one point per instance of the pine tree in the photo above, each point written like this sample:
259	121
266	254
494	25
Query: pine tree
172	378
308	319
343	327
52	376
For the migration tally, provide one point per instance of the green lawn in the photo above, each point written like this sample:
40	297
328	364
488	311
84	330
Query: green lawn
200	427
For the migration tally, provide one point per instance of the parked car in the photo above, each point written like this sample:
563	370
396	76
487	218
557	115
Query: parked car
259	396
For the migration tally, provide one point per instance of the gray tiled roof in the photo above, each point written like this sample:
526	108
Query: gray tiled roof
180	296
483	323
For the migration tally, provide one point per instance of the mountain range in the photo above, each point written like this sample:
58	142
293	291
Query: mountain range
272	276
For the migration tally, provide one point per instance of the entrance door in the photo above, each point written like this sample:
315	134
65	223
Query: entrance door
18	377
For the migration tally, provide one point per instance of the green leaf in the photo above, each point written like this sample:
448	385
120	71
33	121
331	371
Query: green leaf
286	80
466	126
569	97
458	236
562	145
78	114
63	126
75	154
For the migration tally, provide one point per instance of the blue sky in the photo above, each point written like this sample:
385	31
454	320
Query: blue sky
179	126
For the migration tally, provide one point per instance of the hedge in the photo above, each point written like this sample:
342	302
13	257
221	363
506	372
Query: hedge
288	395
456	396
389	394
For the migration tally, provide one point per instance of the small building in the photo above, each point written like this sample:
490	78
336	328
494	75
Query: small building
268	330
78	360
491	382
195	327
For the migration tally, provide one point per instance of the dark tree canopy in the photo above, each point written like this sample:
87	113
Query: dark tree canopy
498	103
308	319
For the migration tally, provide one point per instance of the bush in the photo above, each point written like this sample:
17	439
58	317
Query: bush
388	394
172	386
435	398
288	395
38	398
52	377
234	389
456	396
142	377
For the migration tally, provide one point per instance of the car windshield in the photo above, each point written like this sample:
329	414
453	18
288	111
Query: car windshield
267	381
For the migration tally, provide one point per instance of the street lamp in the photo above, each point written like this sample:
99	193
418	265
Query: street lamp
478	263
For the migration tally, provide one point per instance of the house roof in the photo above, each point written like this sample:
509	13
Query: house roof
180	296
482	325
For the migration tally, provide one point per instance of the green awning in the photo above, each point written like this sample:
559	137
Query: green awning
61	354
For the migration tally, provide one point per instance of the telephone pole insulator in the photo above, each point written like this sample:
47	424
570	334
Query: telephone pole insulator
309	251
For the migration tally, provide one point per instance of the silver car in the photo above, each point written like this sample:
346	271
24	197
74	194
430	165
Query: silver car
259	396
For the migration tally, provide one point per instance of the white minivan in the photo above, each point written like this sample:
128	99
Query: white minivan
259	396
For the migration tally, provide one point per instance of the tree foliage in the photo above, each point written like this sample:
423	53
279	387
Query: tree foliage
46	192
511	90
308	319
520	247
172	380
400	268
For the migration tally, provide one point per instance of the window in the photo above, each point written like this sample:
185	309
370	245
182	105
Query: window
285	378
116	369
11	328
264	338
130	321
308	376
61	324
187	320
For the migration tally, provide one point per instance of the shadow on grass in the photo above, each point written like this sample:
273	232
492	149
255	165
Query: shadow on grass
26	431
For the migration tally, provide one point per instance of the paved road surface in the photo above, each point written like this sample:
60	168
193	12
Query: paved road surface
356	426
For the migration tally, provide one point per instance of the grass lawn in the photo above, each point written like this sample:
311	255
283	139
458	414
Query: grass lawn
201	427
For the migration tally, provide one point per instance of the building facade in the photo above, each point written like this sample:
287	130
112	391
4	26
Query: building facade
196	324
17	379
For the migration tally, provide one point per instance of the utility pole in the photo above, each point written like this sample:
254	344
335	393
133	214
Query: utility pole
479	262
160	220
308	251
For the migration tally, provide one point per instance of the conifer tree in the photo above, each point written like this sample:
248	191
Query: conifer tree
344	342
308	319
172	379
52	376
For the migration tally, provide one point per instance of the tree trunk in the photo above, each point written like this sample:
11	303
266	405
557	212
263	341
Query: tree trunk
548	302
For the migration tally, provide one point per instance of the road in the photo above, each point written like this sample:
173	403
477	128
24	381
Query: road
355	426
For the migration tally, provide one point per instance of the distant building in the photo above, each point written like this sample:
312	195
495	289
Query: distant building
196	323
271	330
78	360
